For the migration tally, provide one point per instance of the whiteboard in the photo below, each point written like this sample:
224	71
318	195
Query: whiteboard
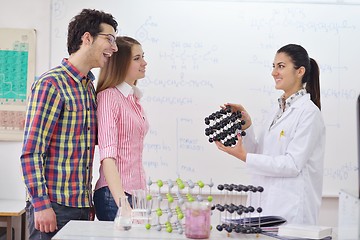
202	54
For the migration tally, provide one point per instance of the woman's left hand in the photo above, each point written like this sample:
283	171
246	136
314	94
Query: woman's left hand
237	151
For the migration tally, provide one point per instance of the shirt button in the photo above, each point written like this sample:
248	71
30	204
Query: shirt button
88	148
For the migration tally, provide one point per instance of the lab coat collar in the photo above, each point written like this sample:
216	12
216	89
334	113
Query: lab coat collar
299	102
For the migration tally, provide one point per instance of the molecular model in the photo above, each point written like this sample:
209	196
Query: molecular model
224	126
234	215
165	205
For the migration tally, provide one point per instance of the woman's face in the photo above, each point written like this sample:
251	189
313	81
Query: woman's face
137	65
286	77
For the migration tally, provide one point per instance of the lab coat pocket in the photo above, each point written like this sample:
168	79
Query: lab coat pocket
282	135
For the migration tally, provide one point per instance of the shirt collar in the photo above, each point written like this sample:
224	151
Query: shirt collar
74	72
284	104
126	89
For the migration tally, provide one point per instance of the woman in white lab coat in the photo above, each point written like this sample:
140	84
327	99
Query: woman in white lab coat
287	158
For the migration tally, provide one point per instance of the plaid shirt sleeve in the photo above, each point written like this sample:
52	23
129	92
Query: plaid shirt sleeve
43	112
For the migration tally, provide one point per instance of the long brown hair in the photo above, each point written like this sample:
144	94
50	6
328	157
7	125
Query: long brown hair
114	71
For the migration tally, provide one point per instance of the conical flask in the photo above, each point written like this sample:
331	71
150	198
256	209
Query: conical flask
123	220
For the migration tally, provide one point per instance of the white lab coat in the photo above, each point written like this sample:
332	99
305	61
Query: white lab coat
287	160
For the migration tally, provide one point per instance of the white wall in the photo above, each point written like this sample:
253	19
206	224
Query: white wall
17	14
20	14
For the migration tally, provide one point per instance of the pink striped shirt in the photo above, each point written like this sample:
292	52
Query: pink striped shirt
122	127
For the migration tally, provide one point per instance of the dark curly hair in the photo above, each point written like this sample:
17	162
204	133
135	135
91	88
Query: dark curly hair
88	20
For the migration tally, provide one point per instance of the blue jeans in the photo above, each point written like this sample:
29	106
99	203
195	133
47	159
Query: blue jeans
63	215
105	206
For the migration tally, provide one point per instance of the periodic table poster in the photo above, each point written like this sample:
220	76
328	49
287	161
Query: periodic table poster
17	72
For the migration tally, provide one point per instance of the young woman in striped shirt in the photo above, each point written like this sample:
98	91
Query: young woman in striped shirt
122	126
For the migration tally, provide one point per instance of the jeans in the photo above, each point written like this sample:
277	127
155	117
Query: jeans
63	215
105	205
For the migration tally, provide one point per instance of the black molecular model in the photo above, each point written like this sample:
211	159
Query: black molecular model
238	217
224	126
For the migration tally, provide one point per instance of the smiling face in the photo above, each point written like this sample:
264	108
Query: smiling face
103	46
137	65
286	77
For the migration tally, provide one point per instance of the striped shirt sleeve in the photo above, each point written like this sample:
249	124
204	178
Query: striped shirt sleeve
107	126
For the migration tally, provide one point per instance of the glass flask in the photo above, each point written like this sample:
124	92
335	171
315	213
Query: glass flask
123	220
197	220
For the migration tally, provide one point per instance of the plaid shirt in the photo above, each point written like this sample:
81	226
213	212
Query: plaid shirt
59	139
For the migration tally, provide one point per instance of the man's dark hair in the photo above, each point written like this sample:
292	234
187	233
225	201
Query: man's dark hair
88	20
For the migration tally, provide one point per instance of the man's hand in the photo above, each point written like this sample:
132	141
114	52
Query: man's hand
45	220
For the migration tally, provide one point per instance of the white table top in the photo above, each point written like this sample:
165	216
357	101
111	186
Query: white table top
12	207
102	230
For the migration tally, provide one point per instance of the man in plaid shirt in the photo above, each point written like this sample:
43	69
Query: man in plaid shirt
60	131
